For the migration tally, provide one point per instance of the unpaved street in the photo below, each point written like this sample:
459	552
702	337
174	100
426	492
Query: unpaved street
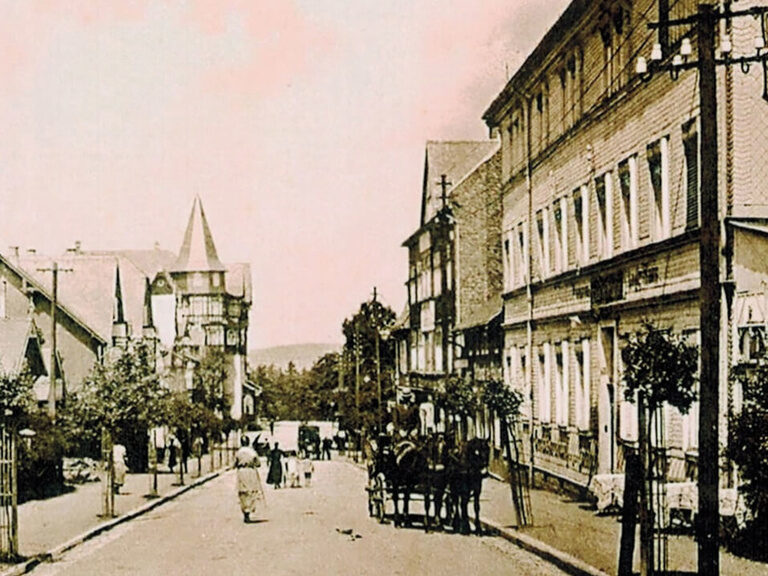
203	533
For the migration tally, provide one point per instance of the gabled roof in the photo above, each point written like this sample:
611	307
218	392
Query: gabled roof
198	252
14	339
453	159
86	285
36	282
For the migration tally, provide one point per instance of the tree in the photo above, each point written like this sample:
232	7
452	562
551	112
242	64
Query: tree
659	368
748	448
125	397
361	333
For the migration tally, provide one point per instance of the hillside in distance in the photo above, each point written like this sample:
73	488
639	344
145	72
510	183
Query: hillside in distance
303	356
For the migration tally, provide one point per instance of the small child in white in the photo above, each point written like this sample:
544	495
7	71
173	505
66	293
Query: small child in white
307	468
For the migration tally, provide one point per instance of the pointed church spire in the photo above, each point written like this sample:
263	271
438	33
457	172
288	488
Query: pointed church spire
198	252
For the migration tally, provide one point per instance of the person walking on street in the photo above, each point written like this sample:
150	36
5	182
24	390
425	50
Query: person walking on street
119	467
172	454
326	448
275	476
249	489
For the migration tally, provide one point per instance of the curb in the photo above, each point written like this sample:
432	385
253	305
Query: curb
563	560
55	553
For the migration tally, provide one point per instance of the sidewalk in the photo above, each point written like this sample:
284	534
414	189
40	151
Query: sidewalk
574	528
45	525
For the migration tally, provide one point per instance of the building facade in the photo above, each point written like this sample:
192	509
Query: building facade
600	180
452	321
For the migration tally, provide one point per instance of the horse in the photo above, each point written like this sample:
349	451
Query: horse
436	480
466	469
406	470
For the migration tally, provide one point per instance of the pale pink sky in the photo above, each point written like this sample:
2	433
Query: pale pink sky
301	123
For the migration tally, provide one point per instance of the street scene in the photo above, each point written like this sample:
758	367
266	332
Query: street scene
322	529
384	288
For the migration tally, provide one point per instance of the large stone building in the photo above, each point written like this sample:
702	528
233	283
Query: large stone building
600	180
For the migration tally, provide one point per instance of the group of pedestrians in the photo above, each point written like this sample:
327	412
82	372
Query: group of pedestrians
281	473
288	472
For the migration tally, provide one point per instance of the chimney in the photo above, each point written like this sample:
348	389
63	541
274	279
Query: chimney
78	246
14	253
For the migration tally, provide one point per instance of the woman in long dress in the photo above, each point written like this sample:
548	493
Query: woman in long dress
275	476
249	488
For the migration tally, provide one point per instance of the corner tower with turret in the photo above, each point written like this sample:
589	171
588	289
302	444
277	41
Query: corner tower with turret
212	304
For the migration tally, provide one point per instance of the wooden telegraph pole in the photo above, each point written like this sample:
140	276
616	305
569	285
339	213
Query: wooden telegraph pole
54	270
709	260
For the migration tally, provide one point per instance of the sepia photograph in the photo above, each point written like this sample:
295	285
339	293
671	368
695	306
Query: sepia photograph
414	287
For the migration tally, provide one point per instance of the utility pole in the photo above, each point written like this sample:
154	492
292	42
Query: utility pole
358	432
445	251
378	359
54	269
709	260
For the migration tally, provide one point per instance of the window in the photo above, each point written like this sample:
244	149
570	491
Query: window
198	305
581	221
561	386
545	385
233	338
542	229
604	198
509	262
628	187
437	278
522	254
214	335
559	211
691	150
581	384
522	382
557	218
216	307
216	280
658	167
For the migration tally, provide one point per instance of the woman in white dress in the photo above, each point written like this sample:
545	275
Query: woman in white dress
249	488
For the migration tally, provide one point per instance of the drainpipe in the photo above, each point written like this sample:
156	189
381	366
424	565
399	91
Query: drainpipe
528	288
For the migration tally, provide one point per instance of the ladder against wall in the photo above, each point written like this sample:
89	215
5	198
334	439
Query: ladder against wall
518	473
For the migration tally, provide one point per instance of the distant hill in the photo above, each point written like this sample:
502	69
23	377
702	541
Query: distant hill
302	355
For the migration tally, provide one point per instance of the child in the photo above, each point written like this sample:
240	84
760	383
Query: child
307	467
292	466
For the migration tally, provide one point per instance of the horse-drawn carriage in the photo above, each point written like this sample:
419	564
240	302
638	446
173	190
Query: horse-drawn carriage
441	474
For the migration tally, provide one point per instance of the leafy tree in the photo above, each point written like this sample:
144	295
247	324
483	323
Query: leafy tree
361	332
500	399
748	448
125	397
661	367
